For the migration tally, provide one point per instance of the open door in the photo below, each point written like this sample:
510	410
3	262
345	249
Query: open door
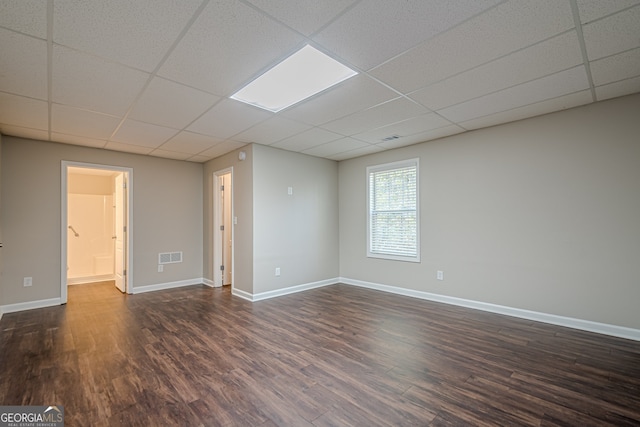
120	232
223	222
225	201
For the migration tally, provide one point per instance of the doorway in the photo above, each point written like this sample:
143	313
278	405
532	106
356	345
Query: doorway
223	221
96	203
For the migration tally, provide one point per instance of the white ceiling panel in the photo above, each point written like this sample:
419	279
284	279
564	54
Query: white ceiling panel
591	10
23	65
227	46
305	140
422	137
613	34
617	67
89	82
307	16
357	93
25	16
147	28
78	140
23	112
128	148
171	104
72	121
504	29
42	135
377	30
228	118
420	124
143	134
363	151
220	149
621	88
553	55
170	154
550	105
552	86
272	130
335	147
375	117
191	143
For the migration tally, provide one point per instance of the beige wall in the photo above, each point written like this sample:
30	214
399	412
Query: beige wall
167	215
541	214
243	210
1	250
79	183
297	233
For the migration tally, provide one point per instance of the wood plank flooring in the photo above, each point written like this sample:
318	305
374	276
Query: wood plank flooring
334	356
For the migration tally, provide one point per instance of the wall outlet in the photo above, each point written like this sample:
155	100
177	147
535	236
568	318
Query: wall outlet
277	271
27	281
440	275
290	191
160	268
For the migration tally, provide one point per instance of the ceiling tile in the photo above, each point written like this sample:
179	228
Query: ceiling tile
363	151
272	130
228	35
201	159
23	112
171	104
375	117
544	107
548	87
357	93
420	124
220	149
553	55
621	88
591	10
25	16
335	147
617	67
307	139
88	82
136	33
308	16
189	142
42	135
72	121
228	118
504	29
422	137
128	148
170	154
78	140
143	134
377	30
23	65
612	35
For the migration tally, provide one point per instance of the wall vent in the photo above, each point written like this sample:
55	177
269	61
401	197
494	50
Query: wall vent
169	257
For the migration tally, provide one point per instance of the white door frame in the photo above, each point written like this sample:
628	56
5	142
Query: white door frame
64	222
217	234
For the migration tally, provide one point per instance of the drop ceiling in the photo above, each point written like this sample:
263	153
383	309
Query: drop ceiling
154	76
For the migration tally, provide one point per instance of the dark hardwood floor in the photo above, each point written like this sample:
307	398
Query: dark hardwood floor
334	356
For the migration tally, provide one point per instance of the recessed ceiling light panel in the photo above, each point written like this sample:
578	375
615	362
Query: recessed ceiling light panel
301	75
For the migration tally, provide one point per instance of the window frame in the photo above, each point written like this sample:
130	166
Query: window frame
415	162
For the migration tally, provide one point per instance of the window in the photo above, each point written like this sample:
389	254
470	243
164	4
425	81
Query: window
393	218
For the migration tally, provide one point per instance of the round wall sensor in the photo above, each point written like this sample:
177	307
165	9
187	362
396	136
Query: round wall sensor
242	155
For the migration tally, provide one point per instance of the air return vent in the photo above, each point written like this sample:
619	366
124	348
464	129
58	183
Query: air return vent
169	257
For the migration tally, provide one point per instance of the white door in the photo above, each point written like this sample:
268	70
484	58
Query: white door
120	220
226	228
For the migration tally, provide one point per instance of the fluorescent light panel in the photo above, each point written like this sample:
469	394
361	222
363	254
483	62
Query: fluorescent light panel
301	75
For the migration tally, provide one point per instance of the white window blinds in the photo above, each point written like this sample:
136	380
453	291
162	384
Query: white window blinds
393	226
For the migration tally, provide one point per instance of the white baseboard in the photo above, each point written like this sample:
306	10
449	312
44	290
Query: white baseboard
168	285
569	322
90	279
21	306
285	291
210	283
